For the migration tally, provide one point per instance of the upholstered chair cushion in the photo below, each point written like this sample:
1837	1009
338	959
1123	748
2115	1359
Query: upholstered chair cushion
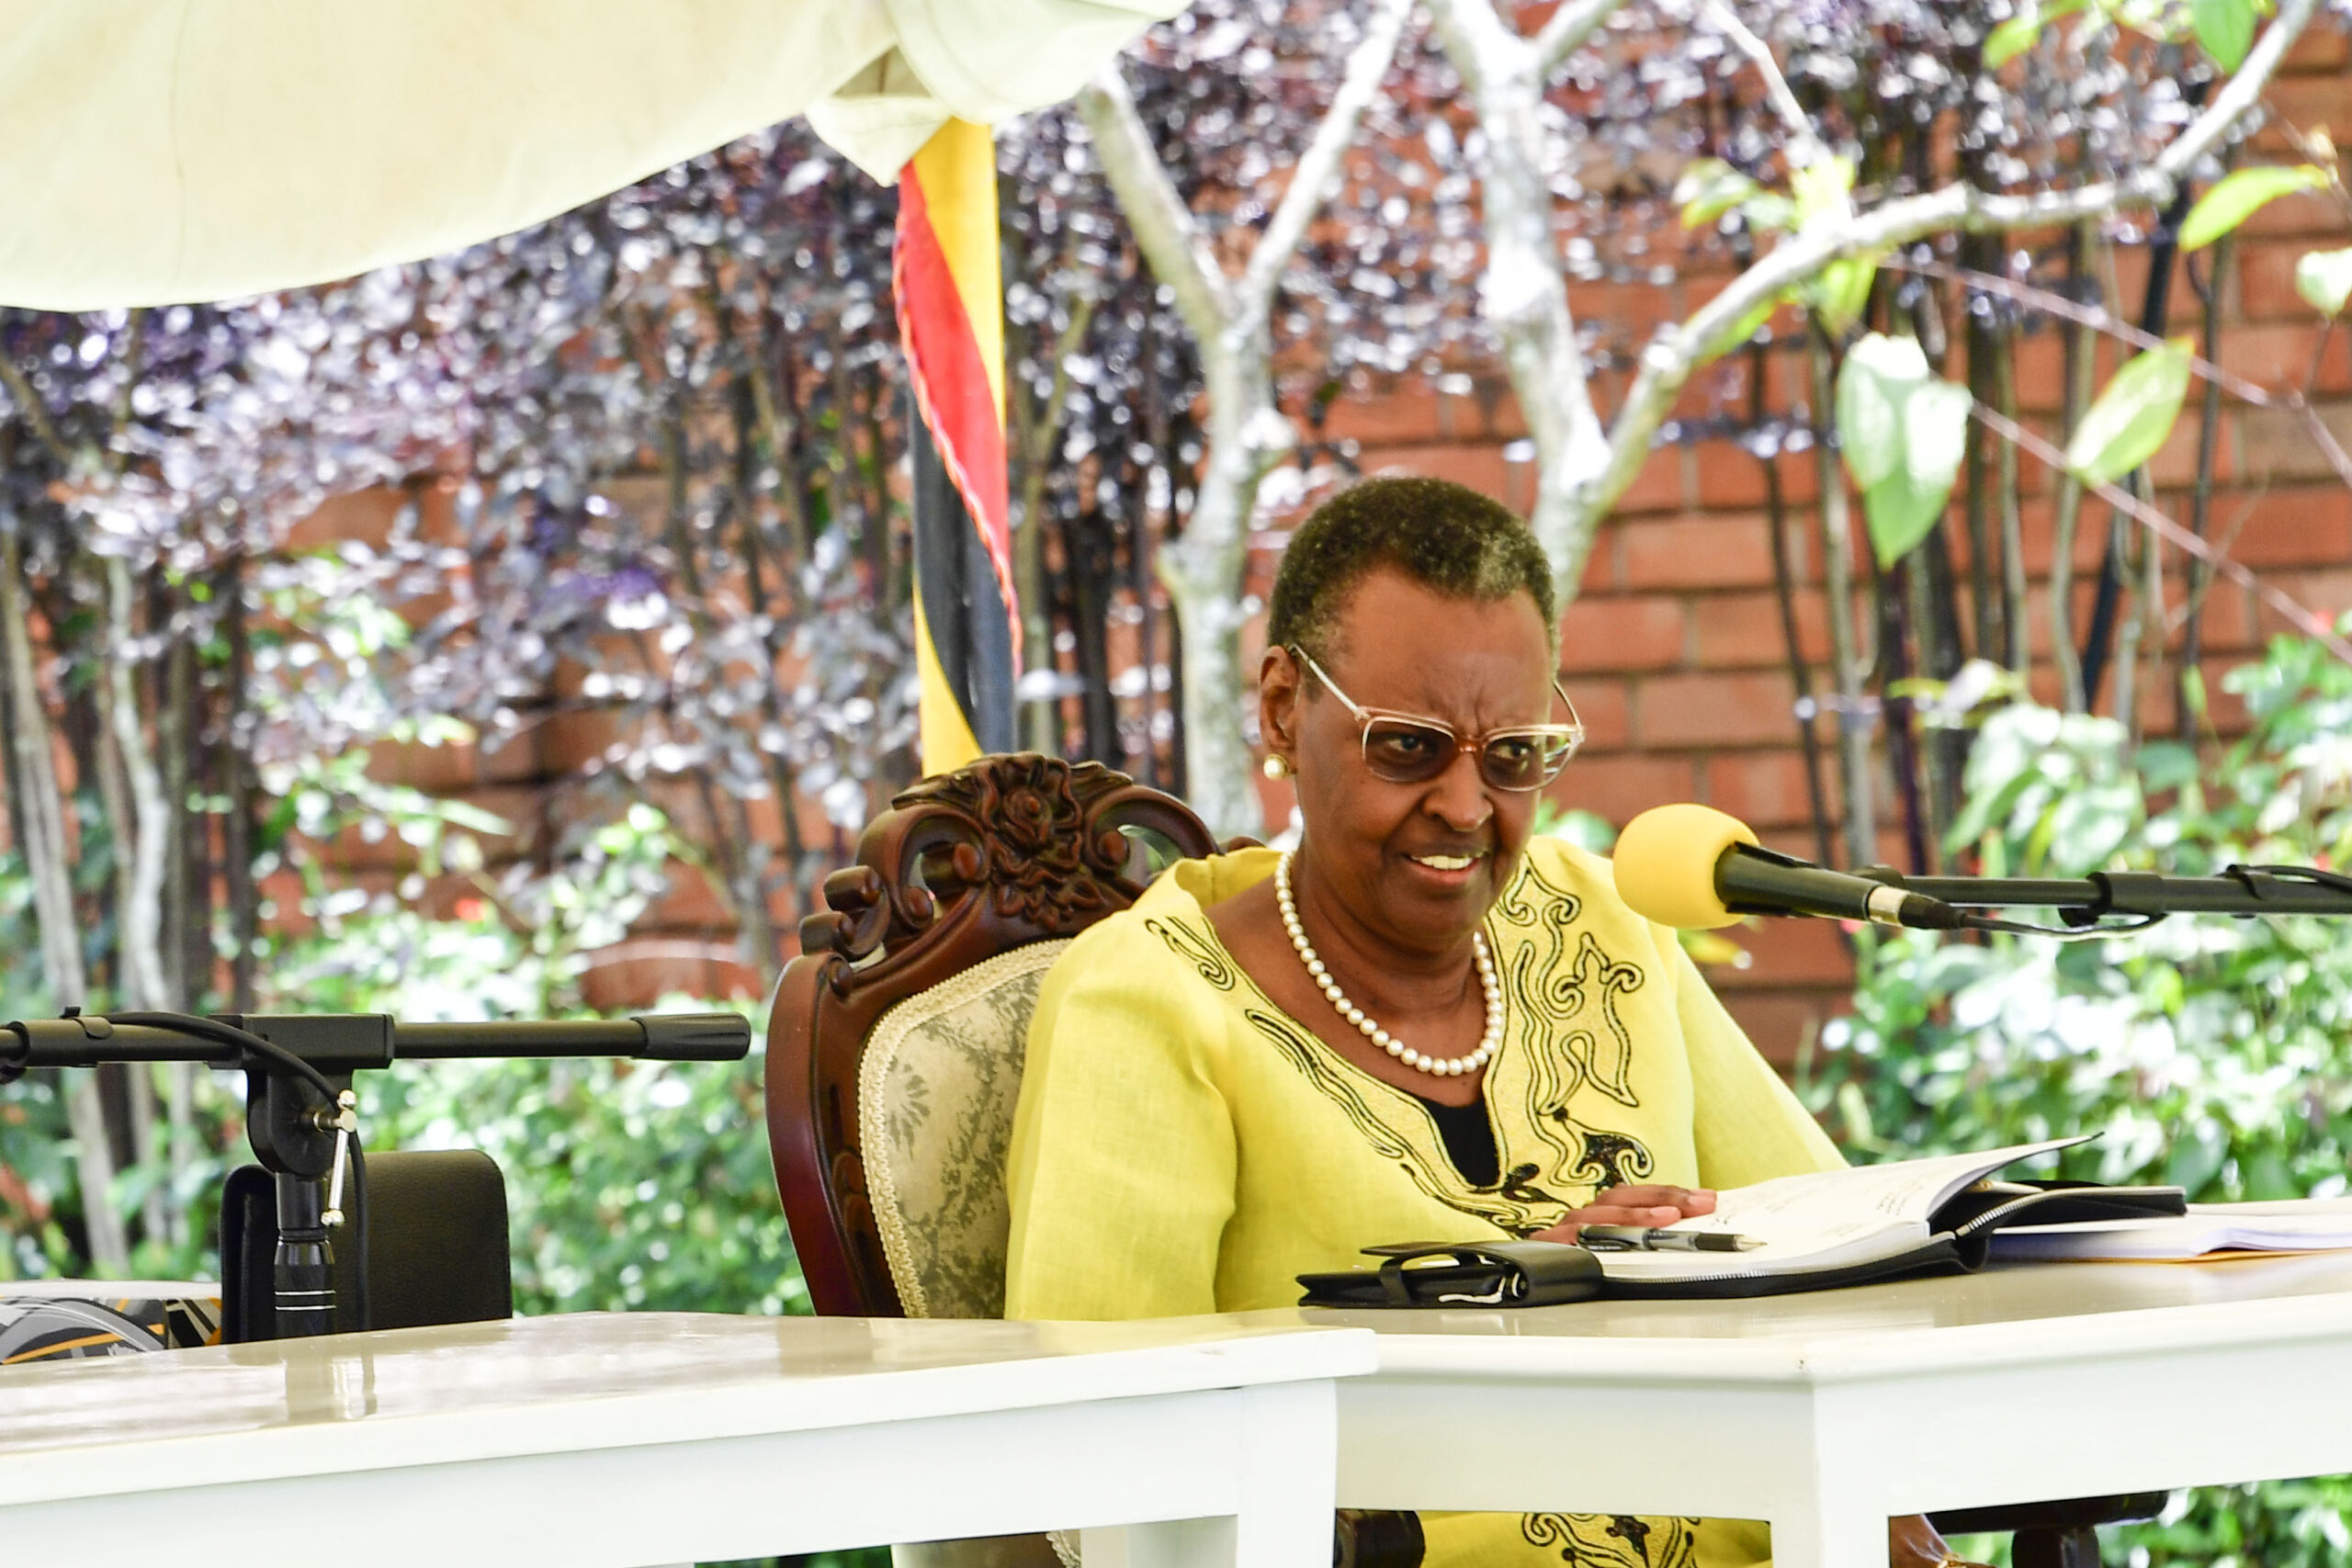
936	1089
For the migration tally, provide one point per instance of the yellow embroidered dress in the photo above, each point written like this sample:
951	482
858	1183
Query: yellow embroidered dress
1183	1146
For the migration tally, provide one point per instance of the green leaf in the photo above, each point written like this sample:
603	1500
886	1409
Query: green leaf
1842	290
2133	416
2016	35
1935	433
1902	431
2324	280
1769	210
1824	189
1878	375
1709	189
2236	196
2226	28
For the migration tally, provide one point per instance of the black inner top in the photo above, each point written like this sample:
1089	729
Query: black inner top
1469	1140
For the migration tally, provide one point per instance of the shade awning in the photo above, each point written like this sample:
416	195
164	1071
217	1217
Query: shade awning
155	151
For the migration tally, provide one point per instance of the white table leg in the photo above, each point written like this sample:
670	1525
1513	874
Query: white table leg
1289	1441
1829	1531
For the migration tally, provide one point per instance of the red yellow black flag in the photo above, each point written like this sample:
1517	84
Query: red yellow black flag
951	325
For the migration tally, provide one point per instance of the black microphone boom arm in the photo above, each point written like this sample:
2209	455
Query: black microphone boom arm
2240	890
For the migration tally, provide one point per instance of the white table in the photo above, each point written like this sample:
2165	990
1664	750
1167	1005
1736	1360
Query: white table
626	1439
1828	1414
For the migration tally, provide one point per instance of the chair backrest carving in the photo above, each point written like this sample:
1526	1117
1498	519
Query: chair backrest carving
1010	851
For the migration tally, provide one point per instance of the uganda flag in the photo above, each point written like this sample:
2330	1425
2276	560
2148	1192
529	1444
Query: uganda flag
951	325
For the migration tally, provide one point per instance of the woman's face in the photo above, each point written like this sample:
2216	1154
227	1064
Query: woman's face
1418	864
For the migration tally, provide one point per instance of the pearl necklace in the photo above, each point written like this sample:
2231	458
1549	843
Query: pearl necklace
1316	971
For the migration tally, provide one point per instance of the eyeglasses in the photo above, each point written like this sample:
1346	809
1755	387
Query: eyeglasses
1403	748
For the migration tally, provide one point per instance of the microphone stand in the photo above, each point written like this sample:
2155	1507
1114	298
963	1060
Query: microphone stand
300	1113
2144	896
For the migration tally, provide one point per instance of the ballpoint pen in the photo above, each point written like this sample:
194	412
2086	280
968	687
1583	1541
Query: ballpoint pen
1641	1238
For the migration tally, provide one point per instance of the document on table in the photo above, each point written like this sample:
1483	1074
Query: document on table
2299	1225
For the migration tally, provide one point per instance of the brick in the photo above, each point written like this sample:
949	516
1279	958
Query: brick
1404	412
1739	631
363	516
2175	464
1657	487
1646	632
2327	594
1621	786
1767	789
2265	271
691	900
1606	708
2320	48
2228	618
1481	467
2308	103
1727	476
2278	446
2040	362
1712	709
1788	954
2037	531
1488	410
2292	527
2279	354
2182	308
1697	552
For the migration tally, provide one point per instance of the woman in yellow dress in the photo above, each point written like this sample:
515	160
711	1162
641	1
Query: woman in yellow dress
1422	1024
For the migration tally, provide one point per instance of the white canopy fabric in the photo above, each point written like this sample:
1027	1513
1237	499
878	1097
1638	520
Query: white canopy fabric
156	152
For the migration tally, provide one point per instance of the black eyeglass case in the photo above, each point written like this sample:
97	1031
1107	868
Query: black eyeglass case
1443	1274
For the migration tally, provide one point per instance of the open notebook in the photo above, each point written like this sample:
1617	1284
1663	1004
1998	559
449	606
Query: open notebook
1833	1227
1837	1228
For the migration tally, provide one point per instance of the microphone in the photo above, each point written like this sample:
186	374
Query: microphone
1695	868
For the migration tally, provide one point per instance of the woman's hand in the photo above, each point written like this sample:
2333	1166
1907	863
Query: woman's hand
1633	1206
1912	1542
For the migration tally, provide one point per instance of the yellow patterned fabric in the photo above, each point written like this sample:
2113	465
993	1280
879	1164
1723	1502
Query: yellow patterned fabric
1183	1146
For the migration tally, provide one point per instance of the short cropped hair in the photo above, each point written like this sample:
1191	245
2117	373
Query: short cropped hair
1444	536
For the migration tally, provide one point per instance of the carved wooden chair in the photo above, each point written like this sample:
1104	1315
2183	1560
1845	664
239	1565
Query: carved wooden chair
895	1044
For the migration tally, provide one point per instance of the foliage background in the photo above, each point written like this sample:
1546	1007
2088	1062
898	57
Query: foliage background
2212	1053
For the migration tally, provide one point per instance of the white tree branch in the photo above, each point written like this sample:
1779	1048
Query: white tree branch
1574	22
1804	146
1164	231
1671	358
1524	296
1320	164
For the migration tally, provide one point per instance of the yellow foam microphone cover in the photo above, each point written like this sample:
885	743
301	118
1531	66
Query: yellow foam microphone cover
1665	864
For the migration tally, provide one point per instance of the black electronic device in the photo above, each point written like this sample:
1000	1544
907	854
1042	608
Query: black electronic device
301	1119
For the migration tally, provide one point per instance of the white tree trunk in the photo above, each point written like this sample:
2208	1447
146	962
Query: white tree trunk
1230	320
60	934
1203	569
149	845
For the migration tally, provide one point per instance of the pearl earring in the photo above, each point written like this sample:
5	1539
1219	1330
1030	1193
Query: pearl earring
1275	766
